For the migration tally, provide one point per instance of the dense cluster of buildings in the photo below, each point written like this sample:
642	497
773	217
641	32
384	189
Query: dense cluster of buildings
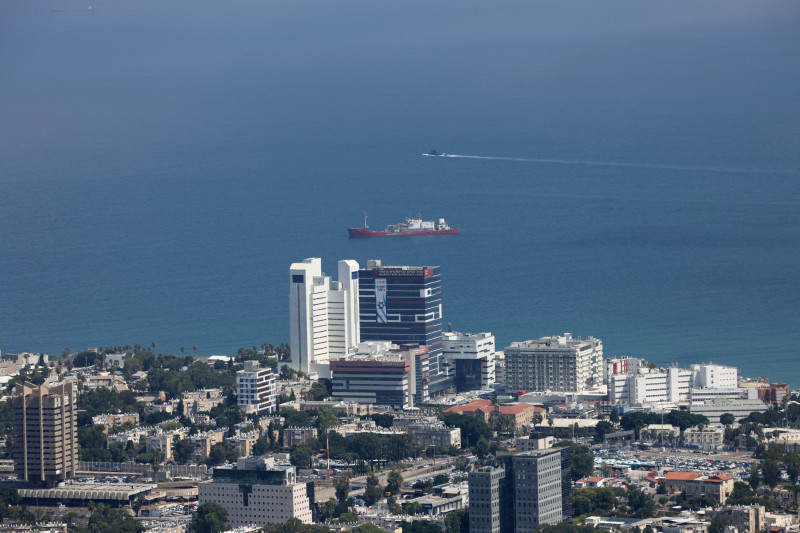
376	334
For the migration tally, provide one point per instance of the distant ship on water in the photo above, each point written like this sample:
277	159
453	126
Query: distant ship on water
412	226
434	153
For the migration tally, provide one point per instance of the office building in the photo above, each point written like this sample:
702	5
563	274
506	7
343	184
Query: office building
538	495
774	393
380	373
323	314
487	494
45	432
257	492
469	359
403	304
532	489
557	363
255	388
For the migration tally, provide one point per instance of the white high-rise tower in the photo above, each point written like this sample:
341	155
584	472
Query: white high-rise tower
323	314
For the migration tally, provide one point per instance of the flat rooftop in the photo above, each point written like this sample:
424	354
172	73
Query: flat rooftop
89	491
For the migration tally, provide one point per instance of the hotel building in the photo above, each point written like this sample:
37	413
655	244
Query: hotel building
323	314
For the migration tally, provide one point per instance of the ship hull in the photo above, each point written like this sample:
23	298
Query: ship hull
362	232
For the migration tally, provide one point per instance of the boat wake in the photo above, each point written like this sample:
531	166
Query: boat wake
740	170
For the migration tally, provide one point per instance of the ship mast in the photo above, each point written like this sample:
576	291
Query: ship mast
365	220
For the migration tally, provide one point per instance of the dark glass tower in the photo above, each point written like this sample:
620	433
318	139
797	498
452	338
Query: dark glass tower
403	304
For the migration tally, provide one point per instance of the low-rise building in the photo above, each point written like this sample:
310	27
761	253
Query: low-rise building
595	481
519	414
745	518
437	435
718	487
379	373
450	498
110	421
707	438
296	436
244	442
201	401
534	442
164	441
716	408
205	440
257	492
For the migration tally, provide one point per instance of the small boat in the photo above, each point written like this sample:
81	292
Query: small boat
434	153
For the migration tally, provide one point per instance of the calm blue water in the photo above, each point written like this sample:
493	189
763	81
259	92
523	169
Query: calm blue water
162	164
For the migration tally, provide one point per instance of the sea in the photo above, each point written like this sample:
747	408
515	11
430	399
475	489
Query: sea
634	174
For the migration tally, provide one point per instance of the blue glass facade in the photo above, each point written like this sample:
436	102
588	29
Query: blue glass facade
403	305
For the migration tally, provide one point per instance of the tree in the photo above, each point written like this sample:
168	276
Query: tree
718	524
471	428
641	503
138	503
603	427
792	462
104	519
261	447
366	528
413	508
183	450
8	496
421	526
482	447
222	452
771	472
372	494
326	418
341	485
614	416
727	419
327	509
394	481
210	517
301	457
582	459
754	480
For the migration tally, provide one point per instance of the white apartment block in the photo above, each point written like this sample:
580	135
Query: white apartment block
632	381
469	358
650	386
255	388
708	438
557	363
323	314
257	492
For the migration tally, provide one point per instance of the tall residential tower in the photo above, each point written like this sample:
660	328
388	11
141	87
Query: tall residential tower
45	432
323	314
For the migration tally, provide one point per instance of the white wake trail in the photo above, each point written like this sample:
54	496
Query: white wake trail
740	170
